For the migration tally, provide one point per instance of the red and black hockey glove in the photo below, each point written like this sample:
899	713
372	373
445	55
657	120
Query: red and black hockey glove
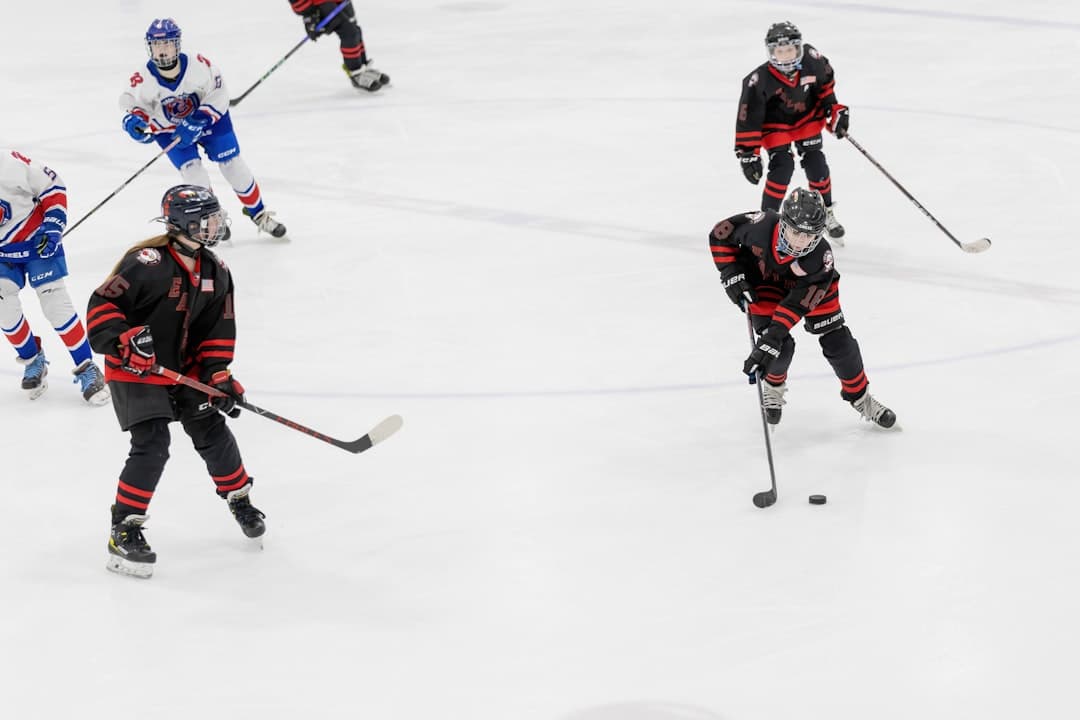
766	350
751	165
838	120
234	393
137	350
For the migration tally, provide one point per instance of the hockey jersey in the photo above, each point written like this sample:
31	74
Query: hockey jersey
31	197
162	102
190	314
790	287
776	109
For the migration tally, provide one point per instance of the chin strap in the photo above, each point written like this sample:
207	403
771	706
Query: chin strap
184	249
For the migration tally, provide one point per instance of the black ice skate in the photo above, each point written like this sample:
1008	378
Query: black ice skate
267	223
249	517
833	227
91	383
875	412
773	401
129	553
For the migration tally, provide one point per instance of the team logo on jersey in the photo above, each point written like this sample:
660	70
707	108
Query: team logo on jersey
756	217
149	256
5	212
813	53
826	260
752	81
177	108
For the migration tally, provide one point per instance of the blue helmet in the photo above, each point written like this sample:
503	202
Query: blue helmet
163	42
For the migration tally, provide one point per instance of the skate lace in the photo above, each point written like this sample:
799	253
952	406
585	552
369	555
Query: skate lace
35	368
266	222
132	538
245	512
869	408
772	396
89	378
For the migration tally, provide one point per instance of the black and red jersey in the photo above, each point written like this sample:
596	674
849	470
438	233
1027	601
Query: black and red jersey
190	314
786	287
776	109
300	6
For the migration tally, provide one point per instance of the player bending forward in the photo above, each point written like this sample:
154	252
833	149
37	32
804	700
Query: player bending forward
177	97
781	267
170	301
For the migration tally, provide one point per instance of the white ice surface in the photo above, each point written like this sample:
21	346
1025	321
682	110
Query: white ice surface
508	248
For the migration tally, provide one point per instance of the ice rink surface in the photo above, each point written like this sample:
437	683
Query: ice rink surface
508	248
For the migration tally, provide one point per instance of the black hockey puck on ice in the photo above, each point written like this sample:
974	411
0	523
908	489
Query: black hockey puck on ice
817	499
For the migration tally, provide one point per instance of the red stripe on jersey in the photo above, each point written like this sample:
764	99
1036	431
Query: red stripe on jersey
102	319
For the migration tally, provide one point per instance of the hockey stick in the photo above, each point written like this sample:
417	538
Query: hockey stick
768	497
376	435
154	159
236	101
975	246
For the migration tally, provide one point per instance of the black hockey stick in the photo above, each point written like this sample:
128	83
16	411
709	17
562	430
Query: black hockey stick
768	497
376	435
975	246
236	100
113	194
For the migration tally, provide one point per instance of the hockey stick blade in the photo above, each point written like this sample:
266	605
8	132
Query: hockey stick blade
976	246
376	435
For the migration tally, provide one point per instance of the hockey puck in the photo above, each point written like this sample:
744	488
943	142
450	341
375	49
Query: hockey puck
817	499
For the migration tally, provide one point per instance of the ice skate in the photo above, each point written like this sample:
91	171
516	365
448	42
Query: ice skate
266	223
91	383
37	368
129	553
248	517
834	228
874	411
773	401
367	77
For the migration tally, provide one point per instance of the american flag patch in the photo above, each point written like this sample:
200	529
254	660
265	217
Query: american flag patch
207	285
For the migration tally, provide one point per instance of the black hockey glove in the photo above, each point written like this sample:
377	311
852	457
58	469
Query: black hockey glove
234	393
739	290
312	18
764	353
136	347
838	120
751	166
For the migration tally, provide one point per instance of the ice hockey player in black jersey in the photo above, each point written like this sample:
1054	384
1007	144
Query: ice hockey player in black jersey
788	101
362	74
169	301
779	268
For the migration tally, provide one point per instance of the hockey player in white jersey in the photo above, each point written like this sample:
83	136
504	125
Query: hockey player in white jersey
33	214
179	96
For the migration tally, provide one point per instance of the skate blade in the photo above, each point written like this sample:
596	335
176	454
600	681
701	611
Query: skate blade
37	392
101	397
120	566
253	544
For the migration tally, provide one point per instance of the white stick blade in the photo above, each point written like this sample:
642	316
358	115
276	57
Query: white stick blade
385	429
977	246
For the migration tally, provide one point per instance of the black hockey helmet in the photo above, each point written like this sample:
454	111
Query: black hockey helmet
193	212
781	34
802	222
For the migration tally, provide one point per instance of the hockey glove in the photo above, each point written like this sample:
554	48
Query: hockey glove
234	392
190	128
137	351
137	127
751	166
764	353
740	291
838	120
48	243
312	18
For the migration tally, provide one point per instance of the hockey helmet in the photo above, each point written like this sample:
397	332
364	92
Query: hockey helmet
195	213
782	35
163	42
802	222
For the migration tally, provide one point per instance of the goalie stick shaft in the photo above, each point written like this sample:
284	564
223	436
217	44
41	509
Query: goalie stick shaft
975	246
376	435
236	101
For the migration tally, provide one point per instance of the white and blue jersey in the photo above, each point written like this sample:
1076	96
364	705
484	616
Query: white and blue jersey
32	199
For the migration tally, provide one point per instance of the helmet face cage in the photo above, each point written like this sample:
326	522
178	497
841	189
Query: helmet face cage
163	43
802	223
784	34
195	213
